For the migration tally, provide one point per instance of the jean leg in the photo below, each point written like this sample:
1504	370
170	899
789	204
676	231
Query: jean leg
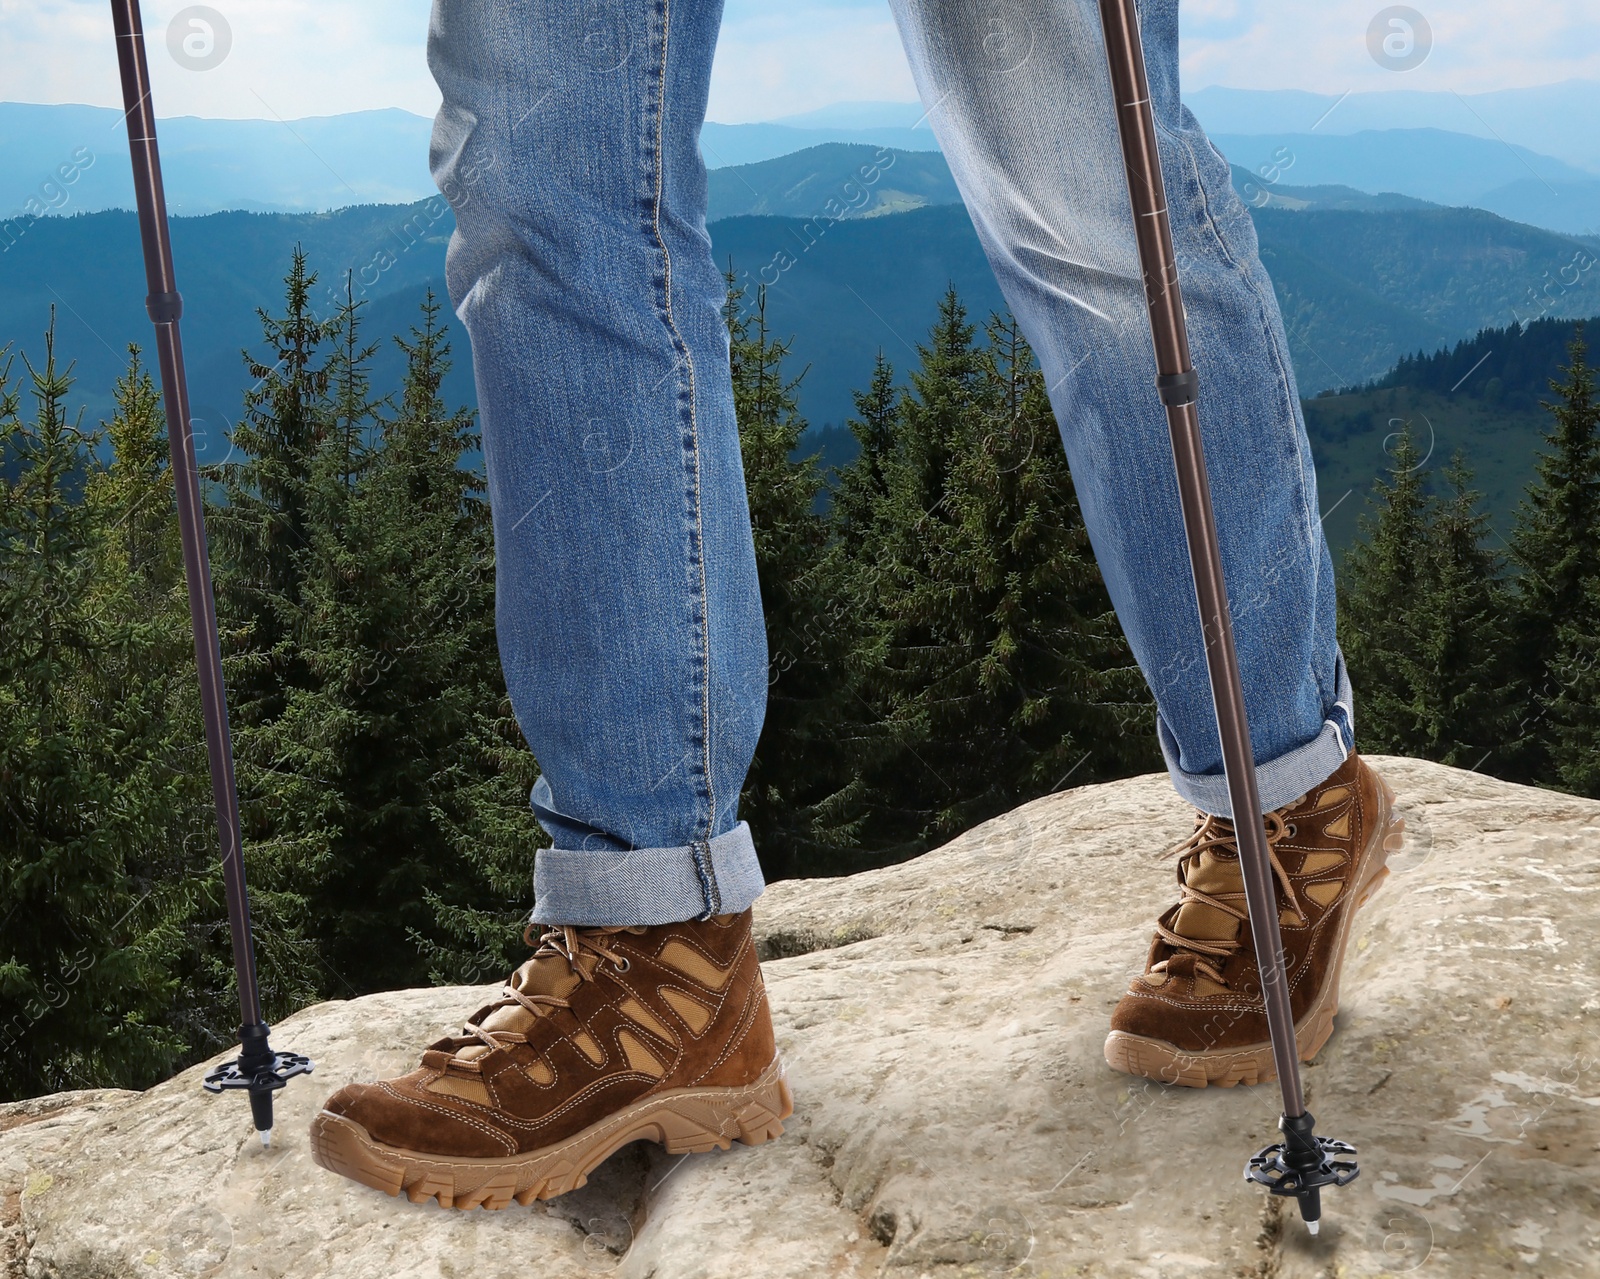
1019	96
627	608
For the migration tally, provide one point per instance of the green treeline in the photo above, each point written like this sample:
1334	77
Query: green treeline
1471	651
941	645
382	780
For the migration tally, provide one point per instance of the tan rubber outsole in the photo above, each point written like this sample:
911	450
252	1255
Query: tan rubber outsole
1253	1064
681	1119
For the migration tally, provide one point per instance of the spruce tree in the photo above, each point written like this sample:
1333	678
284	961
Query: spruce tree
947	388
440	774
394	758
1055	655
478	818
133	493
261	535
858	496
138	585
86	962
1004	670
140	582
1382	581
1574	733
1555	549
260	531
303	742
911	638
859	524
1457	662
377	752
794	795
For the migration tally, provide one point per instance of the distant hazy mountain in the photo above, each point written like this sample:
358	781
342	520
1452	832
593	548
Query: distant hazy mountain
72	159
1571	206
1429	164
1262	195
728	144
322	162
857	179
837	178
902	125
1360	289
1362	280
858	115
1552	119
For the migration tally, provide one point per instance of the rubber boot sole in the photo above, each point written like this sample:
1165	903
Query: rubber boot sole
680	1119
1253	1064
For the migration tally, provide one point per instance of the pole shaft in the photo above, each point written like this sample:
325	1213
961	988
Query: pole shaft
1136	125
164	306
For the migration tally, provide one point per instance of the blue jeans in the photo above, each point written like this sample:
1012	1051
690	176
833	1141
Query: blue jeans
628	611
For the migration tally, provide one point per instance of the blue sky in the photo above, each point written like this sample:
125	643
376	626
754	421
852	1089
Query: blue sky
314	57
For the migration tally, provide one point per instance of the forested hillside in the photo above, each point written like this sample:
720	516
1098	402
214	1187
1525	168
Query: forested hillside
942	650
1361	282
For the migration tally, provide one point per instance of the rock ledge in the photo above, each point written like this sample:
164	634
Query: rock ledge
942	1023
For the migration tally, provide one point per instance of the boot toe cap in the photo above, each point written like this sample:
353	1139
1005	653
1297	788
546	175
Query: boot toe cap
1193	1025
397	1117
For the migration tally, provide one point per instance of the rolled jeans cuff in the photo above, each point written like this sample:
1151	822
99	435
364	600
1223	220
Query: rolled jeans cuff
647	885
1280	781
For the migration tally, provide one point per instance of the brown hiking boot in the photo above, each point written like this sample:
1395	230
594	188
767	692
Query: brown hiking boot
604	1036
1195	1016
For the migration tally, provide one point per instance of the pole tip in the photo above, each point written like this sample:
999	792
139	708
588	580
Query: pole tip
266	1140
1313	1226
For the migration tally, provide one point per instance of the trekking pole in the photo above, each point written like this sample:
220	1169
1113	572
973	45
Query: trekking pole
1302	1163
257	1068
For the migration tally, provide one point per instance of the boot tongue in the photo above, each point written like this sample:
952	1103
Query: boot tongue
543	974
1214	871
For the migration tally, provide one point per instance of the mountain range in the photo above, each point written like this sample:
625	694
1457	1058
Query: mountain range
1430	164
1523	153
74	159
1552	119
1363	281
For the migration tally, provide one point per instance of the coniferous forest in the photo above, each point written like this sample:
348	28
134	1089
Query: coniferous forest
942	649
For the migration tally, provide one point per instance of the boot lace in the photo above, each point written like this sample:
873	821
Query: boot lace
1212	832
569	942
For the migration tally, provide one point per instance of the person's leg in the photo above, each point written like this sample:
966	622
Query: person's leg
1019	94
629	615
1019	97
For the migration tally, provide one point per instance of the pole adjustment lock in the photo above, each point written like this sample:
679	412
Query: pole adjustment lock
1178	388
164	308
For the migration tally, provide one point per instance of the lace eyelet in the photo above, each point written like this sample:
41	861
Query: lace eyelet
622	965
1293	830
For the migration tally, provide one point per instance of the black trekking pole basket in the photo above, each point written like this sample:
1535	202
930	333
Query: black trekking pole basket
257	1069
1302	1163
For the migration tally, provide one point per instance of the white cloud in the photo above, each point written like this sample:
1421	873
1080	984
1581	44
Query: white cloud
288	57
781	60
1322	45
297	57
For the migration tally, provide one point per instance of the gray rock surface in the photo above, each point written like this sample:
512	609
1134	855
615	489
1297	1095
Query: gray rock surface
942	1023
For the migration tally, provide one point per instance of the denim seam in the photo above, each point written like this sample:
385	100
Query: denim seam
1306	488
700	851
704	638
1261	313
